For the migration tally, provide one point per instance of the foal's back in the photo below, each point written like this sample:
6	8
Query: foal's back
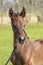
37	56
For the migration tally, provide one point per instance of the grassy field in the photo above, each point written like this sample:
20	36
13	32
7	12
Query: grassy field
6	39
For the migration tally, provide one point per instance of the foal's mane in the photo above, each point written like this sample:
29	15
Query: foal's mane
26	34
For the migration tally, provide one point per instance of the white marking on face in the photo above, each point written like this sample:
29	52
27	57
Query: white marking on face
22	38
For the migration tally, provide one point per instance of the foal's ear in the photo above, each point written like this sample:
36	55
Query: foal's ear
11	12
23	12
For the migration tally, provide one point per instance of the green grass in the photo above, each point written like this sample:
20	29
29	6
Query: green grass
34	31
6	44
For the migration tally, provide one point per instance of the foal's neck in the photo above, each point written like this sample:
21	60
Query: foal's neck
15	38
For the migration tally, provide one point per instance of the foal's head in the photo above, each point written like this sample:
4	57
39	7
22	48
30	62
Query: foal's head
18	21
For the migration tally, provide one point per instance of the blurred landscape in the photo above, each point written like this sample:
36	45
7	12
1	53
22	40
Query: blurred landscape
34	10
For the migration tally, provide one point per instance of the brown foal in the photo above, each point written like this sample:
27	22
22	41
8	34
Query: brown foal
27	52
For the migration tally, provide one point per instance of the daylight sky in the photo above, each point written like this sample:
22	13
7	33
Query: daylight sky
11	0
4	1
